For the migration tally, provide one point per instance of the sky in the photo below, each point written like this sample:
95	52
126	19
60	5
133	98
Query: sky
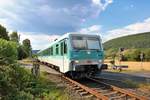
42	21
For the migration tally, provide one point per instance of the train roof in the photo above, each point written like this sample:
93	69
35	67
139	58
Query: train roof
66	36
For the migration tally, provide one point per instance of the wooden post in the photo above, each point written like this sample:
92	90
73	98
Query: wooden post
35	69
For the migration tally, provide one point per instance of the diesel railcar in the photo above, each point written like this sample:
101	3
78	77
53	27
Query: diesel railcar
76	55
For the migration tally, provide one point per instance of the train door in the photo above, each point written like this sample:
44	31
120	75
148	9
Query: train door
64	55
65	60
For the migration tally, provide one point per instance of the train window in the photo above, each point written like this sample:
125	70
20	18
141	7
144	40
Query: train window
65	47
79	42
61	48
57	49
51	51
47	52
93	43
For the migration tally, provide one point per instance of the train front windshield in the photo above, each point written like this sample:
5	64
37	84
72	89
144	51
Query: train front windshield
85	43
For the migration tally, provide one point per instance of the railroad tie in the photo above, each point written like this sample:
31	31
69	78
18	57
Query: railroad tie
104	91
133	99
84	93
71	86
76	88
68	83
118	97
99	89
88	96
80	90
111	93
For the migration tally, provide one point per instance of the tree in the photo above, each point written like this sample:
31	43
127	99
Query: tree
8	52
3	33
14	37
21	52
27	46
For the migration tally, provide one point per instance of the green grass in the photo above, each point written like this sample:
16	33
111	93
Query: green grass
131	83
56	93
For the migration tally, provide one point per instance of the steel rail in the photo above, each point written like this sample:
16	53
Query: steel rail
91	91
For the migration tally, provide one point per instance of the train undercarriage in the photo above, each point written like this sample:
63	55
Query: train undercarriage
83	71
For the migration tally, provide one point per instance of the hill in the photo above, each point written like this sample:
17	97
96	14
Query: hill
35	51
141	40
134	45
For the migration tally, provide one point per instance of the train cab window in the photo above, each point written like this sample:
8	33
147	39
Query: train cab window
57	49
93	43
65	47
79	42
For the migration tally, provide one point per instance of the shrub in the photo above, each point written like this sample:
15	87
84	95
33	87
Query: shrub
21	52
111	53
132	55
8	52
17	83
136	55
21	95
146	54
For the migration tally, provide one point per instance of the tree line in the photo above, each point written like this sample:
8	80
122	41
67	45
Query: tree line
8	42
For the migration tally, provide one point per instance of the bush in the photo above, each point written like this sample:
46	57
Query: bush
8	52
21	52
111	53
17	83
132	55
136	55
21	95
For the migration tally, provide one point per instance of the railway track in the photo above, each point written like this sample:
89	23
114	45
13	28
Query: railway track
113	92
102	91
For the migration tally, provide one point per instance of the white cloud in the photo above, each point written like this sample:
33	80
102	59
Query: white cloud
5	3
95	29
30	17
49	16
135	28
38	41
102	5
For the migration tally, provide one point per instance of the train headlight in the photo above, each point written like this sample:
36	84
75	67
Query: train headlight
100	61
76	61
